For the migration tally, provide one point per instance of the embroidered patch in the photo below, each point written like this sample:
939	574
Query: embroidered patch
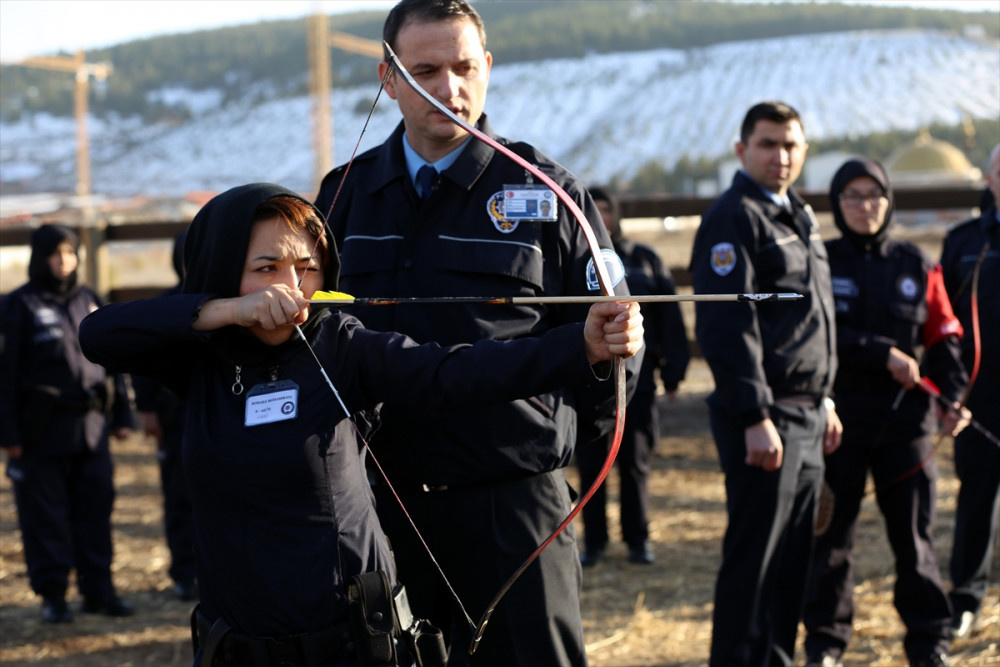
723	258
495	209
46	317
614	265
844	286
907	287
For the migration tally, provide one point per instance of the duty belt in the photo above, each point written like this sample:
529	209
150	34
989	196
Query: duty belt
222	646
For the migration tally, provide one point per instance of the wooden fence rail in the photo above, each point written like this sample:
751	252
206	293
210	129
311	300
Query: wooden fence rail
96	238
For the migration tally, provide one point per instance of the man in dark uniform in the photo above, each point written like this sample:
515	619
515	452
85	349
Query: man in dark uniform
774	365
484	486
56	409
667	355
894	324
161	417
970	261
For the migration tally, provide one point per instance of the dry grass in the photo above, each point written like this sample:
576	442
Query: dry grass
661	614
633	615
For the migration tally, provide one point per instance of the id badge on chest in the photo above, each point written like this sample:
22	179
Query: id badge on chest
529	202
271	402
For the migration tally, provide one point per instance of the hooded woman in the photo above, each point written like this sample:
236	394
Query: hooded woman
284	519
894	325
56	410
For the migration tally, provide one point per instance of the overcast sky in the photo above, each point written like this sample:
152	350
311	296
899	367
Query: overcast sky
41	27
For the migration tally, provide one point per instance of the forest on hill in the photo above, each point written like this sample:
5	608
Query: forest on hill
271	57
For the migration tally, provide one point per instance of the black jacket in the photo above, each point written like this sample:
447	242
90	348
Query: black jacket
883	301
283	510
761	352
53	401
457	243
962	249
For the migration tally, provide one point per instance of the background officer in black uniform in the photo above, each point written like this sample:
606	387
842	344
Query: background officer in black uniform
774	365
894	324
667	356
975	296
484	486
56	409
161	417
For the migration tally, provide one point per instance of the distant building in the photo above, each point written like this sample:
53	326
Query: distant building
928	161
820	168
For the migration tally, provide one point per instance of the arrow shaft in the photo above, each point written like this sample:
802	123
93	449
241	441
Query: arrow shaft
536	300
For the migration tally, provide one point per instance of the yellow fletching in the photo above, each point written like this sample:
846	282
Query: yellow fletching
323	295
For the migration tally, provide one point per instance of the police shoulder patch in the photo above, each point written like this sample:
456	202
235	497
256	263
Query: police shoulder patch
614	265
907	287
723	258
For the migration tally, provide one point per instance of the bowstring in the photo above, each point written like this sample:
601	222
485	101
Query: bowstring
333	388
603	279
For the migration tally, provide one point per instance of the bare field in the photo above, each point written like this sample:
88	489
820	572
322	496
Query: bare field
634	615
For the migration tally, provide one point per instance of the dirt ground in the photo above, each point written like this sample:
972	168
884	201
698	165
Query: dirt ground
634	615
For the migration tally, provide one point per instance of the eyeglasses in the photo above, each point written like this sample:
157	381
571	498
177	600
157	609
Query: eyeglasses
857	198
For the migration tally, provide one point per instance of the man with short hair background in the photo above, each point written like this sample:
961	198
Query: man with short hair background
773	364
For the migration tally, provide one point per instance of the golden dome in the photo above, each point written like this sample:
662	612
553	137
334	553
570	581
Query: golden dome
928	154
930	160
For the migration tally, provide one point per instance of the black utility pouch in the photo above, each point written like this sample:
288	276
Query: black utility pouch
428	645
373	618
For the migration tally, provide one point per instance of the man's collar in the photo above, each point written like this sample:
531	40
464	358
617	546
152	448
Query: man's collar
784	201
414	162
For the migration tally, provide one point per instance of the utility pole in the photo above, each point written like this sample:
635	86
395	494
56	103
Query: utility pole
320	86
82	71
91	234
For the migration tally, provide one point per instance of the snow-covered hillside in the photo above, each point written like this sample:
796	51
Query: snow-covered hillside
600	115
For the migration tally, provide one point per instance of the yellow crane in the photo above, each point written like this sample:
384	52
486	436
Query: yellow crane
321	39
83	71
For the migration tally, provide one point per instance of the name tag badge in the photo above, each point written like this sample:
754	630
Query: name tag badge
529	202
272	402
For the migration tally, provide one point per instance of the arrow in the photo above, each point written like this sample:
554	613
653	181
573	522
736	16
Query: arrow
324	298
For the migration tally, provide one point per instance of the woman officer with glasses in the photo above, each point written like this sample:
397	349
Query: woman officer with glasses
894	325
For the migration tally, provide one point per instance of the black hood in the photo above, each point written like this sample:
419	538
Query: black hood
217	241
214	255
855	168
44	242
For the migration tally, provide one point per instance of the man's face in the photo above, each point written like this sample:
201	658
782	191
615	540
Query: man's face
448	60
774	154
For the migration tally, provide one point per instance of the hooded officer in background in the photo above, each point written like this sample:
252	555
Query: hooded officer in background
894	325
57	410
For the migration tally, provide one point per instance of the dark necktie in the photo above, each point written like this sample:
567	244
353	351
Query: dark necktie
426	176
